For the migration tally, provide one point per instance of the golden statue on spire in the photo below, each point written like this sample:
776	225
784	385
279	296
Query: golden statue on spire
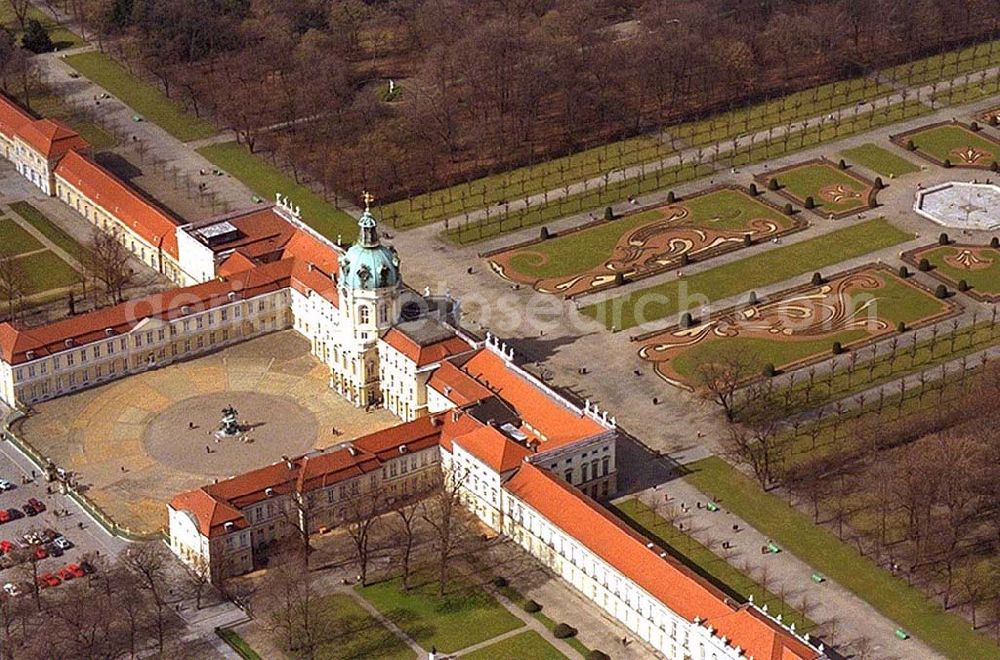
368	199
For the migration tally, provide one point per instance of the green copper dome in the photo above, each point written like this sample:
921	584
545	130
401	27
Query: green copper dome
368	264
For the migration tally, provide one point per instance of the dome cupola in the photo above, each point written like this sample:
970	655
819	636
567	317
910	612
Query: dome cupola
368	264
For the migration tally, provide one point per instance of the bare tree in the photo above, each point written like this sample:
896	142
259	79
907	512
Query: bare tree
404	526
447	517
288	599
722	378
13	284
149	563
363	513
107	261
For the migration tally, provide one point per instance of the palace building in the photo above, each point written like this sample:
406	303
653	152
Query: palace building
529	463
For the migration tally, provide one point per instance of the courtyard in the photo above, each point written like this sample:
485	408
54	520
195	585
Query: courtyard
974	206
136	442
645	243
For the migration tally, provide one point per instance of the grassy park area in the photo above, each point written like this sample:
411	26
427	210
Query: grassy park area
61	37
466	615
49	229
528	644
797	325
266	180
14	240
770	267
144	98
44	271
643	243
880	161
706	563
500	221
947	633
351	632
952	143
823	185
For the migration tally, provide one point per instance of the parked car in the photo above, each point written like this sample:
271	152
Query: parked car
41	553
6	485
48	580
29	510
86	567
6	546
66	574
53	550
48	535
32	538
38	505
14	513
76	570
12	589
4	516
61	542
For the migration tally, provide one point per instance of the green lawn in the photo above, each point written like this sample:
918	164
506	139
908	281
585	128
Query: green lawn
348	632
466	615
266	180
519	647
14	240
237	643
49	229
723	210
946	65
776	265
46	104
144	98
706	563
977	88
880	160
985	280
61	37
810	179
44	271
946	142
823	551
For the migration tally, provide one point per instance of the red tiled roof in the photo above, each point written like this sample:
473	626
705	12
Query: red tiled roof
235	263
307	277
12	117
429	354
457	386
106	190
493	448
210	514
51	138
51	338
557	423
664	578
310	249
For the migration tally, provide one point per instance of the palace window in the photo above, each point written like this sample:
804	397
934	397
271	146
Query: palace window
363	314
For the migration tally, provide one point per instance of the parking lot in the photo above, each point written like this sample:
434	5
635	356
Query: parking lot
61	517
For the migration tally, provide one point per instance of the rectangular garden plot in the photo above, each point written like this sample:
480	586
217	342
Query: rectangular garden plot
822	187
593	256
977	265
795	327
951	144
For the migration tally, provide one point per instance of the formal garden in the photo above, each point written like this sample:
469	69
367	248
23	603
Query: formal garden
881	161
952	144
972	269
608	252
795	327
672	298
826	188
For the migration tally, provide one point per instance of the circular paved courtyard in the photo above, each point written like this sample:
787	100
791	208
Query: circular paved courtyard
130	441
183	436
961	205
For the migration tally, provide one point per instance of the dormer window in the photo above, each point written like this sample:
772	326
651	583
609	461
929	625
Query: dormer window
185	309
